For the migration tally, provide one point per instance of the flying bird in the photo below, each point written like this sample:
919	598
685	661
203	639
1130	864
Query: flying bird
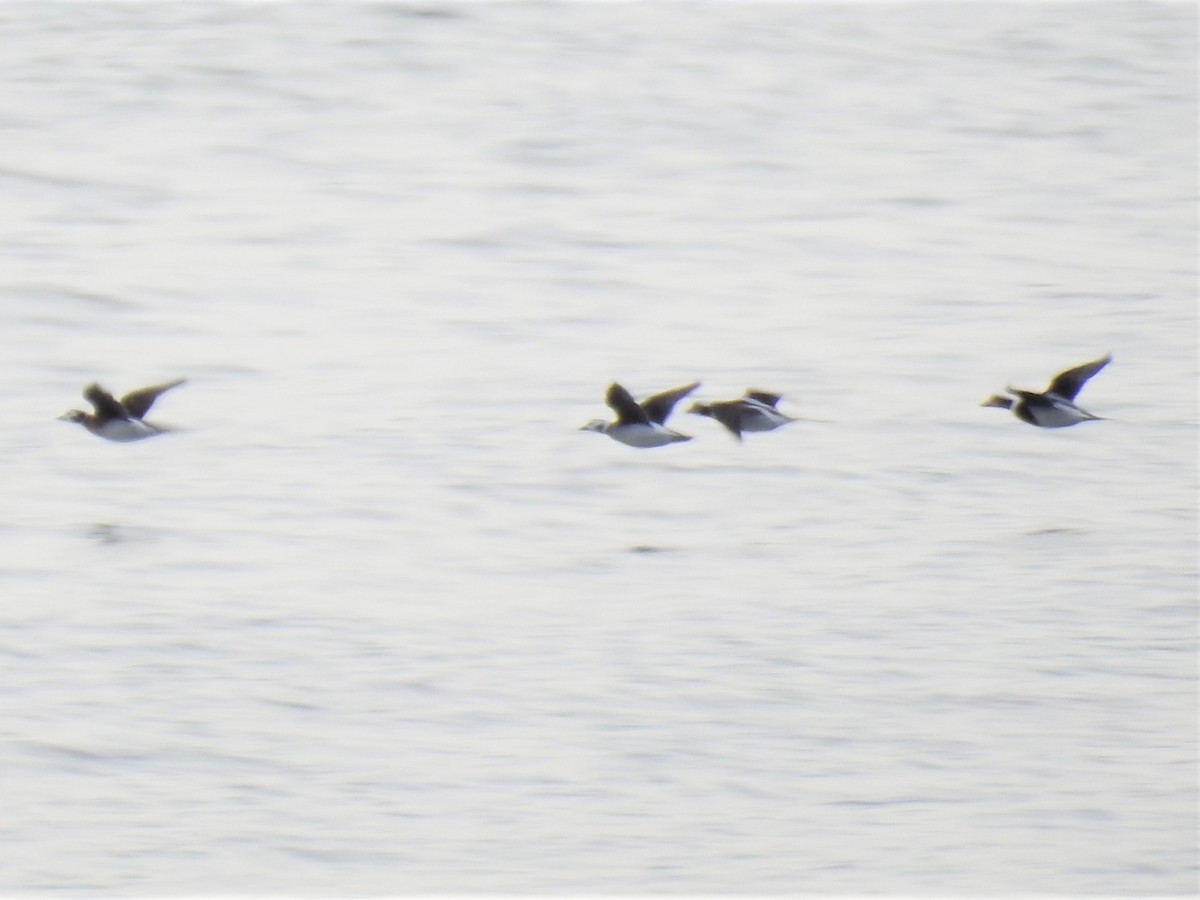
641	424
1055	407
120	420
754	411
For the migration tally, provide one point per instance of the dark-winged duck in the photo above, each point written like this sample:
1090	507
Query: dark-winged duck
754	411
1054	408
120	420
641	424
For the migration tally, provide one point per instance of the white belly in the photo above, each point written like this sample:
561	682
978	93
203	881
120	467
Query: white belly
646	435
764	420
1060	415
125	430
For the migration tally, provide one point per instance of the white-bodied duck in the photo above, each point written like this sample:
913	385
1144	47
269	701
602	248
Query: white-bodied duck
1055	408
641	424
120	420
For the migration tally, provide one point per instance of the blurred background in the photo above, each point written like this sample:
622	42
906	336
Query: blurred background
378	619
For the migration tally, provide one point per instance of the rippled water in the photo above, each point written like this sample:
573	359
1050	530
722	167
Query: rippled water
380	620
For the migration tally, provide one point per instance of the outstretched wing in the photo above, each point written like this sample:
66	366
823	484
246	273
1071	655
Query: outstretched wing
104	403
731	414
1069	383
139	402
627	409
764	397
659	406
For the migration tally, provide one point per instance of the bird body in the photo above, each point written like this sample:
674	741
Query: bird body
1055	407
641	424
754	411
120	420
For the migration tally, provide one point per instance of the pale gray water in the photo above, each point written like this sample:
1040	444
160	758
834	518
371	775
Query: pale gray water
381	620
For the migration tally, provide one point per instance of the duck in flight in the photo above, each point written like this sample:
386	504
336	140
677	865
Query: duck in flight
754	411
641	424
120	420
1055	408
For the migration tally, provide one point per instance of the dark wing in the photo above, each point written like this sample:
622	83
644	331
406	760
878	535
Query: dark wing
1069	383
139	402
627	409
659	406
763	397
729	413
105	404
